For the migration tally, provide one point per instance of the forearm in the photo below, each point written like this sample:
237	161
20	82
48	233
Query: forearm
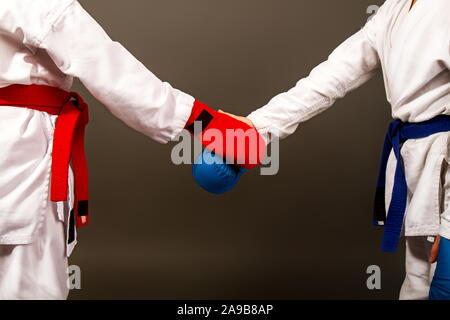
80	48
353	63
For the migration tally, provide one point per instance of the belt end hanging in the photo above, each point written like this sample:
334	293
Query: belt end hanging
82	213
379	209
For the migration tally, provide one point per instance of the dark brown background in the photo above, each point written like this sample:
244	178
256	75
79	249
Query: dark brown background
304	233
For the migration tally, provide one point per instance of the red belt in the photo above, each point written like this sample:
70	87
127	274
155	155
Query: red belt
68	139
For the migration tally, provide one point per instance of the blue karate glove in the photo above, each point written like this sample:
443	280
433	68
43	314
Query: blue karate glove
212	174
440	286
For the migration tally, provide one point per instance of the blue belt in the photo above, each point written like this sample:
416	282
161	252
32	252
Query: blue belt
398	133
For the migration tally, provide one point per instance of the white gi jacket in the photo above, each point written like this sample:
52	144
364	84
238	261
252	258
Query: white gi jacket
412	48
49	42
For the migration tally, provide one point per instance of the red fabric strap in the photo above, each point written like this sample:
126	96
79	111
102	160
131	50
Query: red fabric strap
68	138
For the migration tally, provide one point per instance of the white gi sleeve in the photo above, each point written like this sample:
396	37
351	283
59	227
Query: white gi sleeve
349	66
81	48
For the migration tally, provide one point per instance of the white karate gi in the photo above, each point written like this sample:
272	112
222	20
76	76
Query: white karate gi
412	48
49	42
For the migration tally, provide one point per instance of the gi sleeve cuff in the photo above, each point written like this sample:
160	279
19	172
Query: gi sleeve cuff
263	127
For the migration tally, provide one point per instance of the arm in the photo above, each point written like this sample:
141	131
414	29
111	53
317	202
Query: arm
81	48
352	64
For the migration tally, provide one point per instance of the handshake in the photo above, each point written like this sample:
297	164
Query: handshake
232	146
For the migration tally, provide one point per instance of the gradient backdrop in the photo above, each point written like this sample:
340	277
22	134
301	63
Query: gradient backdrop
303	234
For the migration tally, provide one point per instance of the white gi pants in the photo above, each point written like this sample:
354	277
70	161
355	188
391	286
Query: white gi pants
36	271
39	270
419	272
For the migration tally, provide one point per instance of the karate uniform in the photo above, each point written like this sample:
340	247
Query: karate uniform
412	49
49	42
